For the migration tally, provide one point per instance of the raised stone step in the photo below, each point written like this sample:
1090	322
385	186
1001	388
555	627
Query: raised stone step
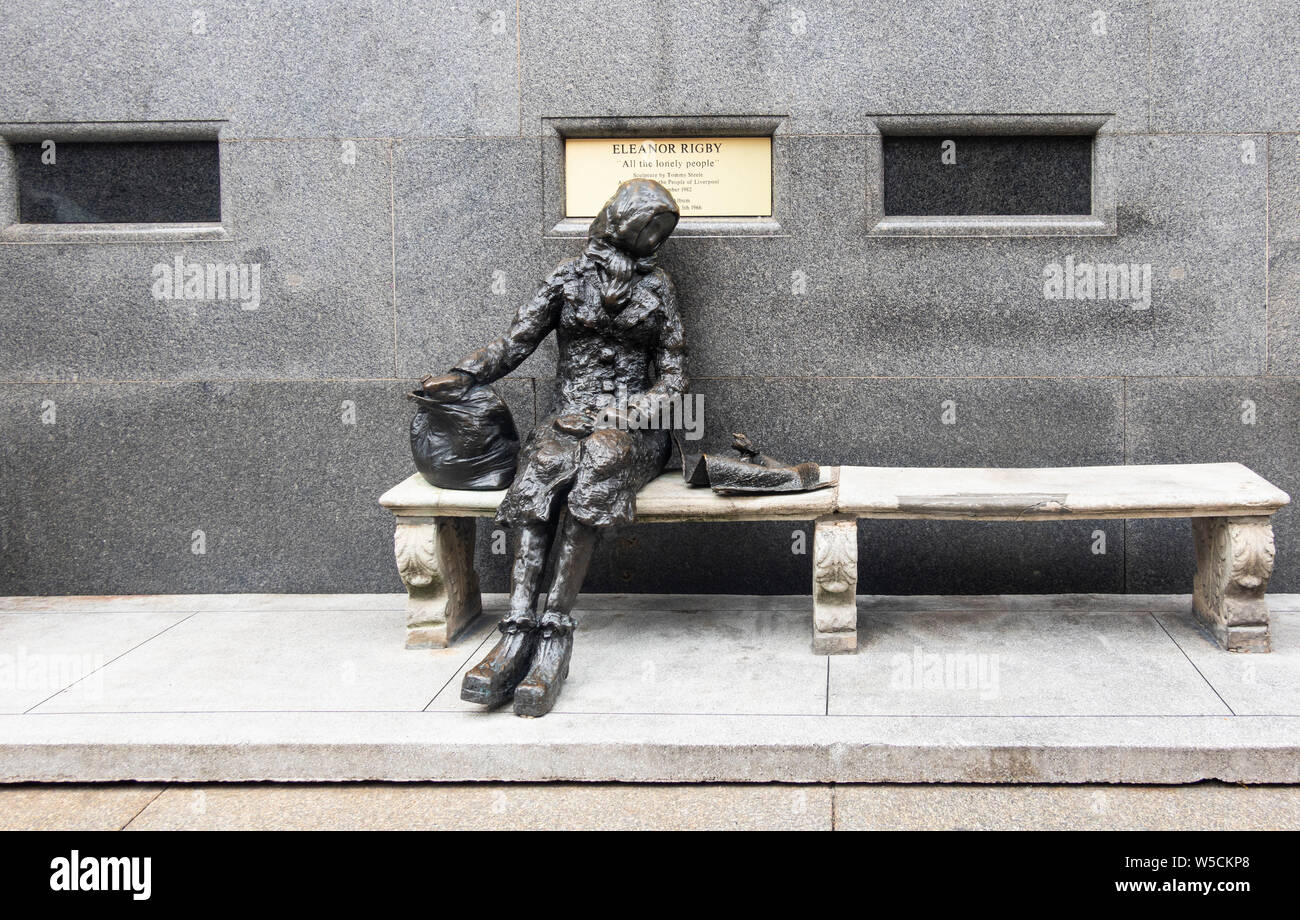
1077	688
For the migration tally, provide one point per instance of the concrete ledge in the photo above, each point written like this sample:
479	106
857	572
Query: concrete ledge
639	748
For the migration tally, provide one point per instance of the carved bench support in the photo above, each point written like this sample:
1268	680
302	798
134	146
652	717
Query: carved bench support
435	557
1234	559
835	584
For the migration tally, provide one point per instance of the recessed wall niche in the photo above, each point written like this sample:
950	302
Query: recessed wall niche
987	175
992	175
103	182
98	182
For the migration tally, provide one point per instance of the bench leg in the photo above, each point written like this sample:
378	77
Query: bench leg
835	584
435	557
1234	558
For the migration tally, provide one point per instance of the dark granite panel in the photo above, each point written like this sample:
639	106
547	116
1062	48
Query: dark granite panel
1012	174
79	182
167	488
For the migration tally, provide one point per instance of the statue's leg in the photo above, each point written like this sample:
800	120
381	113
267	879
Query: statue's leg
577	545
493	680
540	688
526	574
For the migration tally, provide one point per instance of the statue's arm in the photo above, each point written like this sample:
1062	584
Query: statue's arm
532	323
670	355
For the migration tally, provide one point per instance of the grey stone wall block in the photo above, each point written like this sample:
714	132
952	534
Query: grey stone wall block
281	479
316	69
318	229
394	68
1225	67
1284	254
468	250
829	65
921	422
88	61
740	558
1190	420
955	557
826	192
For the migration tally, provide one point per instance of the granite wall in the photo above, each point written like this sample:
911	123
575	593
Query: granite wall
385	162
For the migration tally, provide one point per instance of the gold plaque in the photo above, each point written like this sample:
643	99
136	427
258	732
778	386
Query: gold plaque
709	176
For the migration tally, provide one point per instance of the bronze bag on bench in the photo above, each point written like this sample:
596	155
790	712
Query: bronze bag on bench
465	443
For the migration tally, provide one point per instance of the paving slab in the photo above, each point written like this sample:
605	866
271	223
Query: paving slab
480	806
1203	806
998	662
72	807
243	661
718	661
1255	685
45	653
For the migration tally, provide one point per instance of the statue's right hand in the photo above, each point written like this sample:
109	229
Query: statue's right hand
447	387
578	424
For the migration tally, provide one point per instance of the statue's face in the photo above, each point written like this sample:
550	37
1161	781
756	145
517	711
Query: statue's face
637	220
653	234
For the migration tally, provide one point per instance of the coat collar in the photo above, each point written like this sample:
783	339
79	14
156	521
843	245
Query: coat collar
590	309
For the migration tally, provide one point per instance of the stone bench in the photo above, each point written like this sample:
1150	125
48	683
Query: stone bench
1230	508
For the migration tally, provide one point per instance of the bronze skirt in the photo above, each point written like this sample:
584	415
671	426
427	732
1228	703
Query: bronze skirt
598	475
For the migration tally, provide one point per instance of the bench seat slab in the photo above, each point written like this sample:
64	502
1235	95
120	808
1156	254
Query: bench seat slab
666	498
1057	493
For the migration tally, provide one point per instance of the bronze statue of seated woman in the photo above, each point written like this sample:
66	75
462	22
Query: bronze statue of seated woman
617	328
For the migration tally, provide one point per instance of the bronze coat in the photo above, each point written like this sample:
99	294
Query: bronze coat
636	349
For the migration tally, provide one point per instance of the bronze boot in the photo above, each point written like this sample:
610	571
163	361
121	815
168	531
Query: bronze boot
493	680
538	691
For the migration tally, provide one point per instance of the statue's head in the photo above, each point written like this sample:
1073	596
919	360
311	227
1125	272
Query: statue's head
637	219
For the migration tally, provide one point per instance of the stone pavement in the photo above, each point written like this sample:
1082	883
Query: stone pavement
664	689
696	806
